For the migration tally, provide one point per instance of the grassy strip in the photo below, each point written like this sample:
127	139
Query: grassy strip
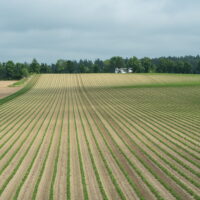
20	161
37	151
25	89
20	82
46	156
161	167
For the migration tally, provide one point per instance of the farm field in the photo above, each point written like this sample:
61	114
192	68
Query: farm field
102	136
5	90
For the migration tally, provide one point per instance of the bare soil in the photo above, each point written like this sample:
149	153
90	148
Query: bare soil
5	90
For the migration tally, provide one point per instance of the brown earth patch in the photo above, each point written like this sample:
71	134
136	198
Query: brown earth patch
5	90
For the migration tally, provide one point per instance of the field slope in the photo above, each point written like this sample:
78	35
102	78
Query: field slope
102	136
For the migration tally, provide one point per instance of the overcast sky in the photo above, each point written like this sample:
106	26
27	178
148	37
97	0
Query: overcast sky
51	29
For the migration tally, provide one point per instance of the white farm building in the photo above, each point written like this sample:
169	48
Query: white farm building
123	70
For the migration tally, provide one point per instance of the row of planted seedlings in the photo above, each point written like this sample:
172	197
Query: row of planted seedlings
119	164
68	174
53	126
171	118
81	165
9	105
151	187
17	111
163	127
168	188
156	145
149	90
20	160
161	91
73	162
173	138
132	117
23	120
106	164
189	105
68	185
58	150
17	134
87	116
25	89
118	113
159	111
166	135
92	157
174	125
16	151
84	142
41	142
17	138
173	121
91	145
28	100
184	144
127	118
20	147
142	94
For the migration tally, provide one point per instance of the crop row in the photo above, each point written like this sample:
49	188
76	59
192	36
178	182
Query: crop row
92	99
118	162
16	109
32	142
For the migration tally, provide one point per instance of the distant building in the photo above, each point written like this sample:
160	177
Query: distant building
130	70
123	70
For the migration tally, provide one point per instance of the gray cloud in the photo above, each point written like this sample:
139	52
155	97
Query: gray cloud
52	29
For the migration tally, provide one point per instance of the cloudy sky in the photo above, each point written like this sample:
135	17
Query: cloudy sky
51	29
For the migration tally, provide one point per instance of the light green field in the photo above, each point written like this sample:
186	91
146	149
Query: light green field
102	136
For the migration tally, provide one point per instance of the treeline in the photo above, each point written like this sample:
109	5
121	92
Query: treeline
187	64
